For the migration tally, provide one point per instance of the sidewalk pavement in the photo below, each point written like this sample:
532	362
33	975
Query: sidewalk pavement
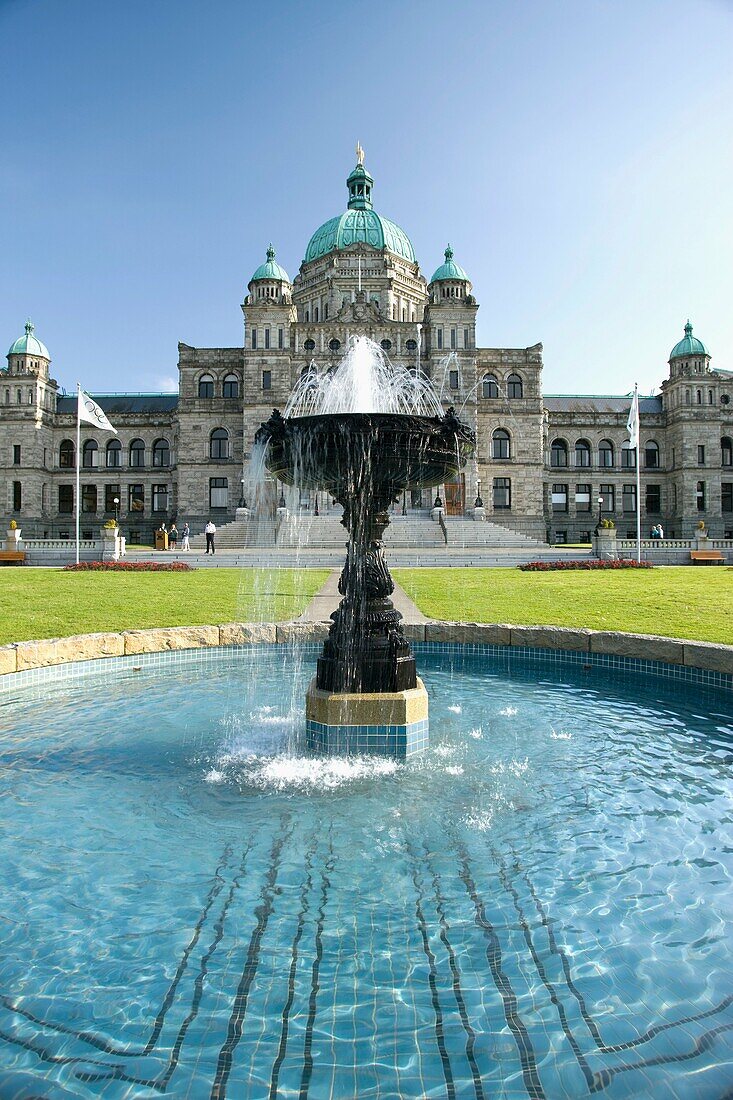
328	598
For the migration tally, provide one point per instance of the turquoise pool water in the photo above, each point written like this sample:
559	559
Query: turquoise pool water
537	907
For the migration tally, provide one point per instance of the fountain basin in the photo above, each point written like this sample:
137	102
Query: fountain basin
543	892
380	723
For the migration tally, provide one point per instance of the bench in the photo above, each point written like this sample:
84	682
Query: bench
706	557
12	557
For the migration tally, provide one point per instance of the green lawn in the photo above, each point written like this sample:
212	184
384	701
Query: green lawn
50	603
681	602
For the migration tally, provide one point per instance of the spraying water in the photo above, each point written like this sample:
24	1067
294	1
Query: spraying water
365	381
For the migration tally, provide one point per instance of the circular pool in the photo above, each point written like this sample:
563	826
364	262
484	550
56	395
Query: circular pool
538	906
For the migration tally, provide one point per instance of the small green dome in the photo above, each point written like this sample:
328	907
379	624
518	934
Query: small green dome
360	223
271	270
450	270
688	346
29	344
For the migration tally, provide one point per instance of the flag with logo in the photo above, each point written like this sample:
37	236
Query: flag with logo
632	424
89	411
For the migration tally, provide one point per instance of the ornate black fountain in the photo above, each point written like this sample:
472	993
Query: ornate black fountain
366	461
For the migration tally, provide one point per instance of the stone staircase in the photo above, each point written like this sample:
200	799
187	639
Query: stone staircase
251	535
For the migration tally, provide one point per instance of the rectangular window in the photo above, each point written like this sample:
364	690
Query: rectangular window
582	498
628	498
559	498
453	379
628	458
17	496
280	338
700	496
218	493
700	454
267	379
502	493
609	498
160	498
466	338
653	500
254	337
16	454
453	340
561	537
136	498
267	338
66	499
726	496
439	335
110	493
89	498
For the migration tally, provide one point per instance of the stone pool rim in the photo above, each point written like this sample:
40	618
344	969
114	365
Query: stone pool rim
651	652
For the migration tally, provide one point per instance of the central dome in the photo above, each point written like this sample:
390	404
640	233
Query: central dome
360	223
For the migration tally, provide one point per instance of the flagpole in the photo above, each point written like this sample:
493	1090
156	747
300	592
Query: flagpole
638	473
78	445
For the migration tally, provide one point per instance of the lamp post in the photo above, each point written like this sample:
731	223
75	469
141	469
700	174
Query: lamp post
117	511
600	509
478	503
404	502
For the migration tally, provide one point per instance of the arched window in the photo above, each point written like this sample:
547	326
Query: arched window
219	443
161	453
582	453
726	451
90	454
137	453
67	455
114	454
490	387
605	453
558	453
514	386
230	387
651	455
206	386
500	444
628	455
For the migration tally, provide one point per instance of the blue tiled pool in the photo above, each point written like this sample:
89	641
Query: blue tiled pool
537	906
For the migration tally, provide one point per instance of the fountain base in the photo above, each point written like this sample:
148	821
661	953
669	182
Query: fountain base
391	723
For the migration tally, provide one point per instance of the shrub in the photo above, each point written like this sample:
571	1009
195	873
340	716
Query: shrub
592	563
129	567
607	524
111	524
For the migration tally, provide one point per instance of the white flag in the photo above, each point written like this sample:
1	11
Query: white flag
632	424
89	411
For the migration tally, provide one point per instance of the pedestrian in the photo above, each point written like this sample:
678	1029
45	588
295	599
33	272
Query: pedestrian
185	534
660	531
173	537
210	531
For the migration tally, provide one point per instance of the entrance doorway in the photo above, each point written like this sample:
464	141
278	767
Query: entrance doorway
455	495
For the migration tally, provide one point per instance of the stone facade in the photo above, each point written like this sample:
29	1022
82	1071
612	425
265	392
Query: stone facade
541	464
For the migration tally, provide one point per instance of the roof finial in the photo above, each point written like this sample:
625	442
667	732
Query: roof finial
688	328
449	253
29	326
270	252
359	154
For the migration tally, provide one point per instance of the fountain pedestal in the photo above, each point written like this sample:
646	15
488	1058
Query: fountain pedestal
388	723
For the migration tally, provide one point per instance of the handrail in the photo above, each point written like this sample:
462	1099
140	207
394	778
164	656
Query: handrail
443	527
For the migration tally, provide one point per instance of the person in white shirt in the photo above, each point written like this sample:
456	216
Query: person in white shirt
185	535
210	531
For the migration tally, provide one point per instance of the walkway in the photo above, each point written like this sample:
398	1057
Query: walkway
328	598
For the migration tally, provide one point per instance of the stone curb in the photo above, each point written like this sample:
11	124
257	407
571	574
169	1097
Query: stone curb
20	656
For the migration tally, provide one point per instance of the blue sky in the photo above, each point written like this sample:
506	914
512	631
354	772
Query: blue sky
577	156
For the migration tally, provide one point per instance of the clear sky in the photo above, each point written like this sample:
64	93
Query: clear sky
578	156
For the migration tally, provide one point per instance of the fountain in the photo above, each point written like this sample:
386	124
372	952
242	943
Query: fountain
365	433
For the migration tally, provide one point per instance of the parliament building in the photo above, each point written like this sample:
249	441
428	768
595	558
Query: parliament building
546	466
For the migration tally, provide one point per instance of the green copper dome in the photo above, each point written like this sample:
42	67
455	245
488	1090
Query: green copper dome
360	223
688	346
271	270
29	344
450	269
